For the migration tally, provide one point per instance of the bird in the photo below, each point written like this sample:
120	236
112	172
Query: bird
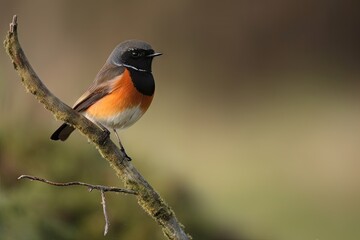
121	92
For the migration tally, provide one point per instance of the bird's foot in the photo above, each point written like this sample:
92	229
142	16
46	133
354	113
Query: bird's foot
125	156
104	136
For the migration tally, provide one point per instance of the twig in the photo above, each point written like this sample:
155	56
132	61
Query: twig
90	186
147	197
103	203
13	24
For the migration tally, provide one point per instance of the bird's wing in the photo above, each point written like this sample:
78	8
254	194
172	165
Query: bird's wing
104	84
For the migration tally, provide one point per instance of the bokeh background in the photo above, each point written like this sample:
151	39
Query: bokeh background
254	131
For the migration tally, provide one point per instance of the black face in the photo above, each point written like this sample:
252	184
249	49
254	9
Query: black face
138	58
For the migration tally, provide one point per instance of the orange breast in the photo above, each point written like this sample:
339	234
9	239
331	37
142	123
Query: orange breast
124	96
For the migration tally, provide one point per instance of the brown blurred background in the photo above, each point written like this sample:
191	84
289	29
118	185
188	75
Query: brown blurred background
254	131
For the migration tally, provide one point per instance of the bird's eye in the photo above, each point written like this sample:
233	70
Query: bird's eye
135	54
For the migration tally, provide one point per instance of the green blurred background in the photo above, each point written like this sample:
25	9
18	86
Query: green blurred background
254	131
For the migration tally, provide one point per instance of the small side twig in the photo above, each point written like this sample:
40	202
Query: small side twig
13	24
91	187
103	203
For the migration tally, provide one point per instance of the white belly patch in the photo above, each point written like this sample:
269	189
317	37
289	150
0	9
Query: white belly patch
119	121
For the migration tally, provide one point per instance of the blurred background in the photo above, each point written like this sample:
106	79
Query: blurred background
254	131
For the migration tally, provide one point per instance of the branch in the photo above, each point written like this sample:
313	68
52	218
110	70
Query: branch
147	197
91	187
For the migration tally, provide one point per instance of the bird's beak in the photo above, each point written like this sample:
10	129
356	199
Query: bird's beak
154	55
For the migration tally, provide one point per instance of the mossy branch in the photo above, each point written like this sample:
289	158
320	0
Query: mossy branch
147	197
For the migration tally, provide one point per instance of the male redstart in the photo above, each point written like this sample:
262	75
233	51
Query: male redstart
121	92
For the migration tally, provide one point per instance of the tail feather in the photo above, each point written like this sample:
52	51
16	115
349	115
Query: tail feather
62	133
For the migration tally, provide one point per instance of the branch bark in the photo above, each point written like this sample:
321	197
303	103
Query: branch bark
147	197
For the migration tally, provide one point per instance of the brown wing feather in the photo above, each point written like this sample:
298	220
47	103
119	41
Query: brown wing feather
103	85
